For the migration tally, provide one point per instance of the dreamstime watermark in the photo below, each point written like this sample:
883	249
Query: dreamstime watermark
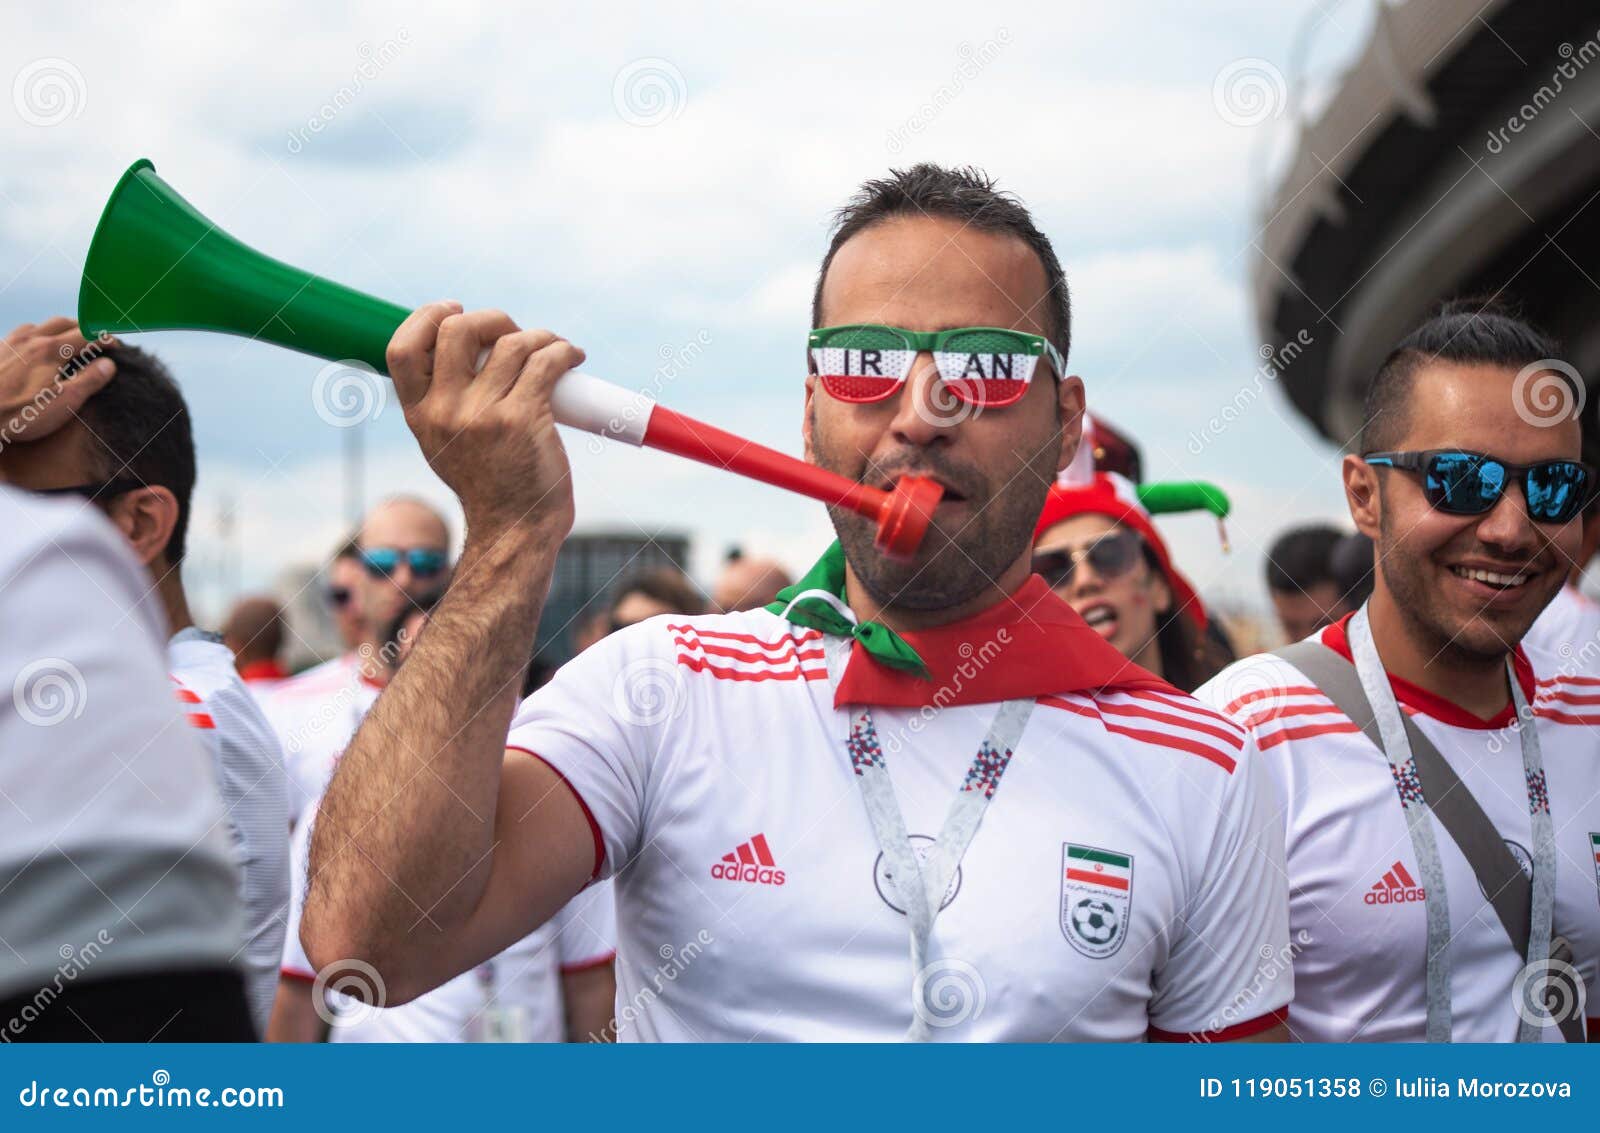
1575	60
373	63
649	691
1243	1007
674	962
48	691
674	361
47	92
948	992
974	660
158	1093
360	990
1273	364
1548	993
74	962
973	62
348	393
1247	92
72	362
1548	392
649	91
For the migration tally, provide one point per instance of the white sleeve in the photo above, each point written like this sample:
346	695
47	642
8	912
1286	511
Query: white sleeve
1230	971
599	723
586	928
296	965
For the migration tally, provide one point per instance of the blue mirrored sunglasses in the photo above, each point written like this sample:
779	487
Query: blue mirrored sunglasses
381	562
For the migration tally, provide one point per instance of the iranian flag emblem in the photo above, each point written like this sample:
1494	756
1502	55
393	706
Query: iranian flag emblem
1096	895
1594	850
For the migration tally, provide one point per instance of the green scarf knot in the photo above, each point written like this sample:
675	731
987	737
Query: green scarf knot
883	644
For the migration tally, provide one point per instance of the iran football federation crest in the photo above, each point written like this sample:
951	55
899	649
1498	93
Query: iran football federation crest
1096	894
1594	849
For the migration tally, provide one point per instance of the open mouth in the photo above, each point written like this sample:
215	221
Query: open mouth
1501	580
1100	617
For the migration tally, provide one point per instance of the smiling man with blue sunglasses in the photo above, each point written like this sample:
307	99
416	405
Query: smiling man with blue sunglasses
1425	755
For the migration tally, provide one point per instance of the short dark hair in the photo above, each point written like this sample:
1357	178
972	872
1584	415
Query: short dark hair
667	585
1301	558
1467	332
965	194
139	426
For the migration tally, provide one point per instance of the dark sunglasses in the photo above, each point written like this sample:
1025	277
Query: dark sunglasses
1470	483
1112	556
101	490
339	597
382	562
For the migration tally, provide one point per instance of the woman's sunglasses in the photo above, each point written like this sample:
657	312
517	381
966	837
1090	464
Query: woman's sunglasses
1112	556
382	562
983	366
1470	483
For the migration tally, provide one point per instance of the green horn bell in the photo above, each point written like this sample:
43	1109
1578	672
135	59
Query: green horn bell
157	264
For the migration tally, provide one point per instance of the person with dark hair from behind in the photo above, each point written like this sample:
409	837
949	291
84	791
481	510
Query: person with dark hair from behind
253	633
647	594
1305	593
1353	570
121	916
129	452
1473	504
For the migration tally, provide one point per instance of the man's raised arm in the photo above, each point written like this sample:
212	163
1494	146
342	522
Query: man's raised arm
431	852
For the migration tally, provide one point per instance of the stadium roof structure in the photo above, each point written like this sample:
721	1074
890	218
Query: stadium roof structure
1458	155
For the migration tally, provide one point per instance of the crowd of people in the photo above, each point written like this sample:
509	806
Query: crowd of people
884	800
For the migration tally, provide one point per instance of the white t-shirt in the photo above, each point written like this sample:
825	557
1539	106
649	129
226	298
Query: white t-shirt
1569	628
249	768
1357	910
515	997
752	902
315	713
114	855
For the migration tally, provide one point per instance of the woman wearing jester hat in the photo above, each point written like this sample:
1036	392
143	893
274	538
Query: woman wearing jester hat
1098	549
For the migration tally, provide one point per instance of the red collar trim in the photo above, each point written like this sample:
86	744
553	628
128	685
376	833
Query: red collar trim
1029	644
268	670
1337	638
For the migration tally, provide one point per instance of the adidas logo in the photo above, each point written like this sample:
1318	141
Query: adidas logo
752	862
1395	887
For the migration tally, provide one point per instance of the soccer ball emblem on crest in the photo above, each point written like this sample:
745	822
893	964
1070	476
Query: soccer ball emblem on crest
1096	921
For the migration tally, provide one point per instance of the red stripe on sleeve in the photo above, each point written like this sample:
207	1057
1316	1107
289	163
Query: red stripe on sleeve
1227	1034
594	827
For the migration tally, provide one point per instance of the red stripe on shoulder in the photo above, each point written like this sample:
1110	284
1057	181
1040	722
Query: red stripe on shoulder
791	673
1162	739
1227	1034
201	720
1569	679
1287	710
1263	693
1232	735
1563	717
1335	727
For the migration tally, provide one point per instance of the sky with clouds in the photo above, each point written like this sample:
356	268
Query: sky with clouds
655	182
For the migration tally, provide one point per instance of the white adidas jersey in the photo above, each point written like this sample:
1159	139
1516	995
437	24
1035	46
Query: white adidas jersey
249	768
1357	911
315	713
1569	627
1124	881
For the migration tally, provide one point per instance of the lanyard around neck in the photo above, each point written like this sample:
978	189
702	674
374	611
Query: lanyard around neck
921	884
1408	784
